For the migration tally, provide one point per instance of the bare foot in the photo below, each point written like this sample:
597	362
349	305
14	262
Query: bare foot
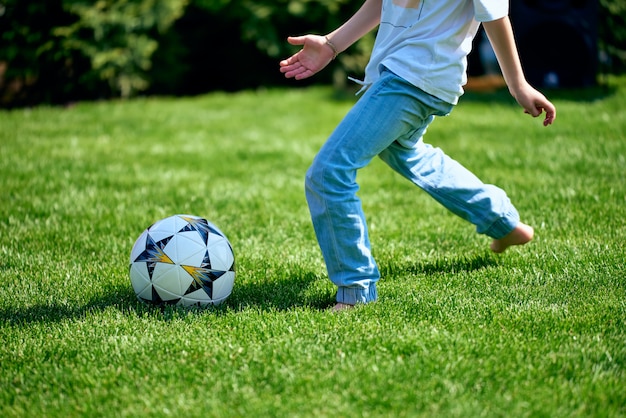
519	236
341	306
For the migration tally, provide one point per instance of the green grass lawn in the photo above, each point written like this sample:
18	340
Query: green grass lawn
458	331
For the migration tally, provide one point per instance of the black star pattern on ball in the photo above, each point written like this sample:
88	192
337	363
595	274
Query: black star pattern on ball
154	253
203	276
201	226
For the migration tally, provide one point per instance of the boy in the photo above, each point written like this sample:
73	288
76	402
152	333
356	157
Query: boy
416	72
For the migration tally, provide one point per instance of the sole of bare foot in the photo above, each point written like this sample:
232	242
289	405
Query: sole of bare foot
341	307
521	235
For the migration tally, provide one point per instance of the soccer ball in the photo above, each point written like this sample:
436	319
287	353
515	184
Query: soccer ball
182	260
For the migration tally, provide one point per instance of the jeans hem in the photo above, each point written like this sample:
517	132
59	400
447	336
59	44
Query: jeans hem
354	295
503	226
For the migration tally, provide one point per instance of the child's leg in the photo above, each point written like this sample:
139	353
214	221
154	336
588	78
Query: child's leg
389	109
459	190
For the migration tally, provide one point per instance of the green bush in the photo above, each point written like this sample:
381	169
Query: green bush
62	50
230	45
117	37
26	65
612	34
56	51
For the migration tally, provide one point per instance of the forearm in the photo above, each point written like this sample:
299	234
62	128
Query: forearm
362	22
501	37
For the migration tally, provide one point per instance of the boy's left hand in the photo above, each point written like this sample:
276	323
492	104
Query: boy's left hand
535	103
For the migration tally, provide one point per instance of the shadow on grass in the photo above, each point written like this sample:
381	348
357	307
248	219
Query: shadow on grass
315	291
304	289
279	293
120	297
463	263
271	294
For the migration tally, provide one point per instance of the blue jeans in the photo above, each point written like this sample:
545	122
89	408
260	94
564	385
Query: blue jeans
389	121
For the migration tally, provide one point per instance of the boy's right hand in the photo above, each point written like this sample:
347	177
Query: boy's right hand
313	57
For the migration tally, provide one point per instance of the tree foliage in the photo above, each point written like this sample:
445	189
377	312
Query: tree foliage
25	27
62	50
58	51
117	37
234	44
612	33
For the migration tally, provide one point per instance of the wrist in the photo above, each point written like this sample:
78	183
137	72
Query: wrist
332	46
516	86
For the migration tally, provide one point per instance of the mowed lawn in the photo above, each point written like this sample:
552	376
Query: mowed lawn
539	331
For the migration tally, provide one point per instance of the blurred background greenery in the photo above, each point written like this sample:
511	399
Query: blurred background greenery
60	51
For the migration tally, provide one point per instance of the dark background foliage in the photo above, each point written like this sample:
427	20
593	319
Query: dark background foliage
59	51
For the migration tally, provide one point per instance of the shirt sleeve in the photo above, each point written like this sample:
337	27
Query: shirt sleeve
488	10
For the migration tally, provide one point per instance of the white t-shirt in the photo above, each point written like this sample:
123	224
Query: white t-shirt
426	42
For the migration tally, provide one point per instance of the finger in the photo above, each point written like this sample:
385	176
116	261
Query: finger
533	111
550	113
550	117
296	40
295	71
305	74
290	68
290	61
286	67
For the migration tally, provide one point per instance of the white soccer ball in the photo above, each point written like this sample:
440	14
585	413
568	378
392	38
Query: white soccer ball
182	260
